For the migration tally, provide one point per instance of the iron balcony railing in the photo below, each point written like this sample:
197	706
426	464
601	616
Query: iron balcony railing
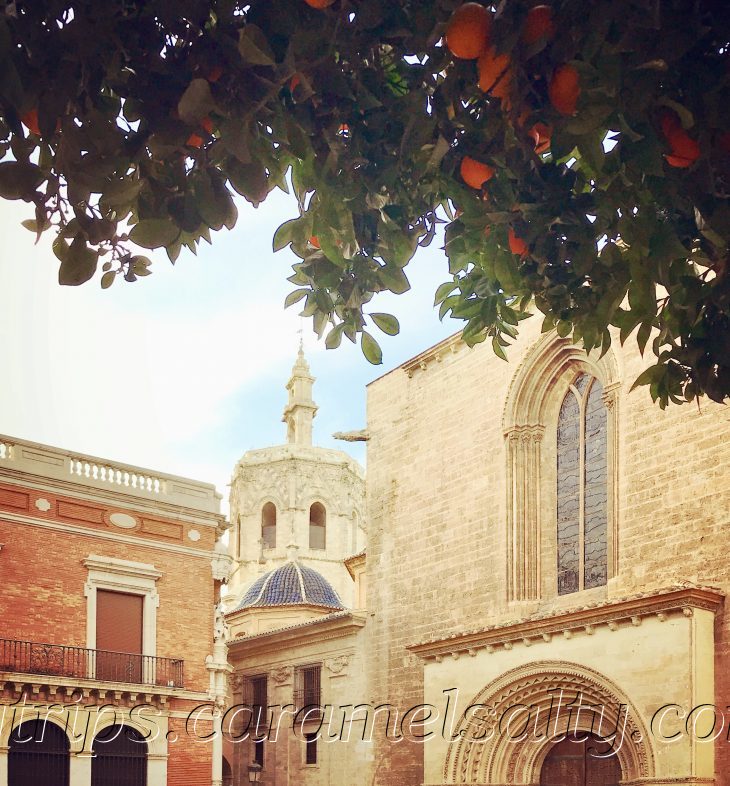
32	657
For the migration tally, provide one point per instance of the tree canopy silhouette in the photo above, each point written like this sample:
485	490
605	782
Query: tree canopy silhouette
577	153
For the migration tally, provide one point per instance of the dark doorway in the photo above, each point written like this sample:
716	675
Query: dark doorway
580	760
227	773
120	758
38	753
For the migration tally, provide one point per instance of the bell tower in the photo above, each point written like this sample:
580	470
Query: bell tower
300	409
296	497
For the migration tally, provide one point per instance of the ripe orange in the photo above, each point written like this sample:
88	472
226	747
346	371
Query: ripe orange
517	245
564	89
314	241
495	73
294	83
30	120
538	24
541	134
685	150
319	3
474	173
195	140
214	73
669	122
467	34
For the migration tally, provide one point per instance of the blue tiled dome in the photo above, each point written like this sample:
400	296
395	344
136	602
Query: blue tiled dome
291	584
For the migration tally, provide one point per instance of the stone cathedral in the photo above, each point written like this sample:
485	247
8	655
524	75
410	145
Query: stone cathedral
541	599
527	586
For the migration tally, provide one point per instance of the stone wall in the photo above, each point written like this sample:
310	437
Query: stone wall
437	504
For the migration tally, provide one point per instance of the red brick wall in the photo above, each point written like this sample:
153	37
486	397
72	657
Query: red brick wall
43	590
190	755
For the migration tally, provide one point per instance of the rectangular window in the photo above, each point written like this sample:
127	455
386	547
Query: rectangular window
119	630
258	752
310	748
257	689
308	687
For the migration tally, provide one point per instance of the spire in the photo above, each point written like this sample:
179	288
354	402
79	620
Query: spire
300	409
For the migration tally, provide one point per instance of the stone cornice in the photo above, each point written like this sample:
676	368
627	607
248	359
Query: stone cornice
335	626
112	480
581	620
437	352
112	497
106	534
38	684
355	561
307	454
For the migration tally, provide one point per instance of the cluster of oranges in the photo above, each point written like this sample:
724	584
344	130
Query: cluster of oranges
468	37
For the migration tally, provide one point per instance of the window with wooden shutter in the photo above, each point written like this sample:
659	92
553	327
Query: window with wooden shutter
119	631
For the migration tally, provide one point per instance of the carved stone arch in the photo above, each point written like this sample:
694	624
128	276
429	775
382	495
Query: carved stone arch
487	752
274	499
531	406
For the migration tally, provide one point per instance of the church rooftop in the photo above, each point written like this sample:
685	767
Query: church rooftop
291	584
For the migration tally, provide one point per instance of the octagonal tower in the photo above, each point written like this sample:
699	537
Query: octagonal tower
296	495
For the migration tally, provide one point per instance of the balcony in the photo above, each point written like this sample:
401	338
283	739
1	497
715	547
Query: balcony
57	660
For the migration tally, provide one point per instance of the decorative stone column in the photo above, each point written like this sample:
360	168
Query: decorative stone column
156	770
523	512
218	670
80	768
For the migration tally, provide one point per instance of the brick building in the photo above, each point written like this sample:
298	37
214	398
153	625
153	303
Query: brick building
110	580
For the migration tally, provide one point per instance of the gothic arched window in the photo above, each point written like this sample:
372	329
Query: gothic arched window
582	488
317	526
268	525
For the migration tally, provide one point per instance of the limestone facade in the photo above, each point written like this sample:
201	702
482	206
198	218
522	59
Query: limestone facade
288	481
463	571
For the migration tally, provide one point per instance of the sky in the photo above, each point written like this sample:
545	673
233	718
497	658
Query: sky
184	370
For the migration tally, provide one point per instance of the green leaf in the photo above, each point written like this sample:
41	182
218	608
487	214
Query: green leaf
196	102
295	297
19	179
334	337
371	349
387	323
78	265
649	376
122	192
154	233
254	47
444	291
498	351
108	279
394	279
283	235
